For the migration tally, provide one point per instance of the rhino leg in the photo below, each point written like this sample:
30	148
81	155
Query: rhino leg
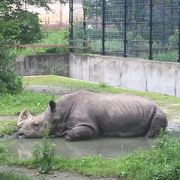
159	121
79	133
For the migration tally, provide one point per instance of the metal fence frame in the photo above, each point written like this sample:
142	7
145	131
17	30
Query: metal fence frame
125	24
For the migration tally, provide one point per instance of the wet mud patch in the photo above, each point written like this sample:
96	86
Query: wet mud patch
55	90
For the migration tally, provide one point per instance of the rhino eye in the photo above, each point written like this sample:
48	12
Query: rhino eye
55	120
35	125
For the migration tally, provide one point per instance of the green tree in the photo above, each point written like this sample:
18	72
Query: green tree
16	26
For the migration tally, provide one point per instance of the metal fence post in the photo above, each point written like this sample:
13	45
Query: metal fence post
125	29
84	25
179	35
151	31
103	26
71	28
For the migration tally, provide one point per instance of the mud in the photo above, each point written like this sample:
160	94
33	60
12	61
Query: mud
56	175
56	90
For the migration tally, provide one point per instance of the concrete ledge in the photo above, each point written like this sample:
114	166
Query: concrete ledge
43	64
136	74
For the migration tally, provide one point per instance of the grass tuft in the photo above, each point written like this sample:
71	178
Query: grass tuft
7	127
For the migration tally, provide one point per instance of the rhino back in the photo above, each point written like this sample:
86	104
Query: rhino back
111	113
125	114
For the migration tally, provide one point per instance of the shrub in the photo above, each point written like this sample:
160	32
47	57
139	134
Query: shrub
20	27
162	162
10	82
29	28
61	50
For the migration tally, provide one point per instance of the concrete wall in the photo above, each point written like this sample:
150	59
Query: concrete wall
136	74
43	64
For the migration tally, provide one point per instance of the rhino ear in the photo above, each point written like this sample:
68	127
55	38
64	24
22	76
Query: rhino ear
52	106
24	115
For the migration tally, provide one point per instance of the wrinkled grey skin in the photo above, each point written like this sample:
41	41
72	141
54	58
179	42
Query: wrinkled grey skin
85	115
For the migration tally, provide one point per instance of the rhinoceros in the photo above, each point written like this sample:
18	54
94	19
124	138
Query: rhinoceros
86	115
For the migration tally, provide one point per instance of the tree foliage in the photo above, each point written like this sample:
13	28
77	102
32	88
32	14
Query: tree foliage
17	25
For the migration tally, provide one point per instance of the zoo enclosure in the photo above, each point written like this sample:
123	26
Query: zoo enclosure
137	28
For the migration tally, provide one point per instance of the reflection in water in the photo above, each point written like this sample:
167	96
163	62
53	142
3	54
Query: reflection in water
173	128
105	147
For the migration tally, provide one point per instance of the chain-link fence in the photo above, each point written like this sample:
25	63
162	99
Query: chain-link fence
137	28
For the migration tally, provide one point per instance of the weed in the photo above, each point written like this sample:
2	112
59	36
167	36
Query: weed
3	152
103	85
44	155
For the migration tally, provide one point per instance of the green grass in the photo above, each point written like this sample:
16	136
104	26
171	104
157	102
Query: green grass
168	56
7	127
170	104
12	176
14	104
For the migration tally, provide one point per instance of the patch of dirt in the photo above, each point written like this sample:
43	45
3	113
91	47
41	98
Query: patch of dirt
56	90
56	175
8	118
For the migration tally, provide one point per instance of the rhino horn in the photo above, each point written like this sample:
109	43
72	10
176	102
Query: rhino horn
24	115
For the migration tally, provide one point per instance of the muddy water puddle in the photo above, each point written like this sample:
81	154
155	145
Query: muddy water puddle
104	147
174	128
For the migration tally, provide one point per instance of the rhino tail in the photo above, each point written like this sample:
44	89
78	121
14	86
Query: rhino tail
158	122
